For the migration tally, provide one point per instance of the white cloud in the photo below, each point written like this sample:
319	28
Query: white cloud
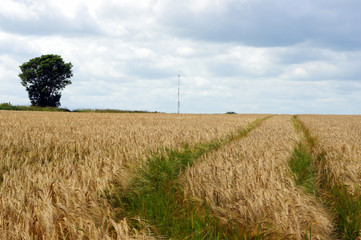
266	23
233	55
17	10
11	90
8	68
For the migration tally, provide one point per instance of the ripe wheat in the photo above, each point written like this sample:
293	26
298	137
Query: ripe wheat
56	167
249	183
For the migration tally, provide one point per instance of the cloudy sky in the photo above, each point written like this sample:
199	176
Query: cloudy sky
247	56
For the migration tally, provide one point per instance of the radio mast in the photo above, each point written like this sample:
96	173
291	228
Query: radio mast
178	92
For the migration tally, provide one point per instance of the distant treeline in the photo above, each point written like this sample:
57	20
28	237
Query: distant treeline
9	106
112	111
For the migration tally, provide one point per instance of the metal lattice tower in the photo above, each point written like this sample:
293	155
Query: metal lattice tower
178	93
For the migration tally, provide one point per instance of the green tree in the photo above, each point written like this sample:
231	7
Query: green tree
43	77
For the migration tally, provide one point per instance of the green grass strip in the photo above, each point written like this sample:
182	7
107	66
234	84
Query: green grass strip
157	196
8	106
301	164
348	209
303	169
345	205
87	110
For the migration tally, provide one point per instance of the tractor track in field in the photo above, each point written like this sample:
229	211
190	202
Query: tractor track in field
345	206
156	196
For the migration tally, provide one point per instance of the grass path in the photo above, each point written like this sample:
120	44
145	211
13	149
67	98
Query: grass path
156	196
309	166
302	162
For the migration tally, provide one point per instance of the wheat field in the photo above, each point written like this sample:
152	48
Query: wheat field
249	182
57	171
56	166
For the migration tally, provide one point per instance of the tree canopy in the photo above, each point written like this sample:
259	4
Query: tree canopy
43	77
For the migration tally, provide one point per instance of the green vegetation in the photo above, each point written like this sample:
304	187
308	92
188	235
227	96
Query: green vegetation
110	111
157	196
345	206
43	77
8	106
301	165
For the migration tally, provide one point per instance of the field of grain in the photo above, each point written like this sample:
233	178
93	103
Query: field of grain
339	137
77	175
249	183
55	167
